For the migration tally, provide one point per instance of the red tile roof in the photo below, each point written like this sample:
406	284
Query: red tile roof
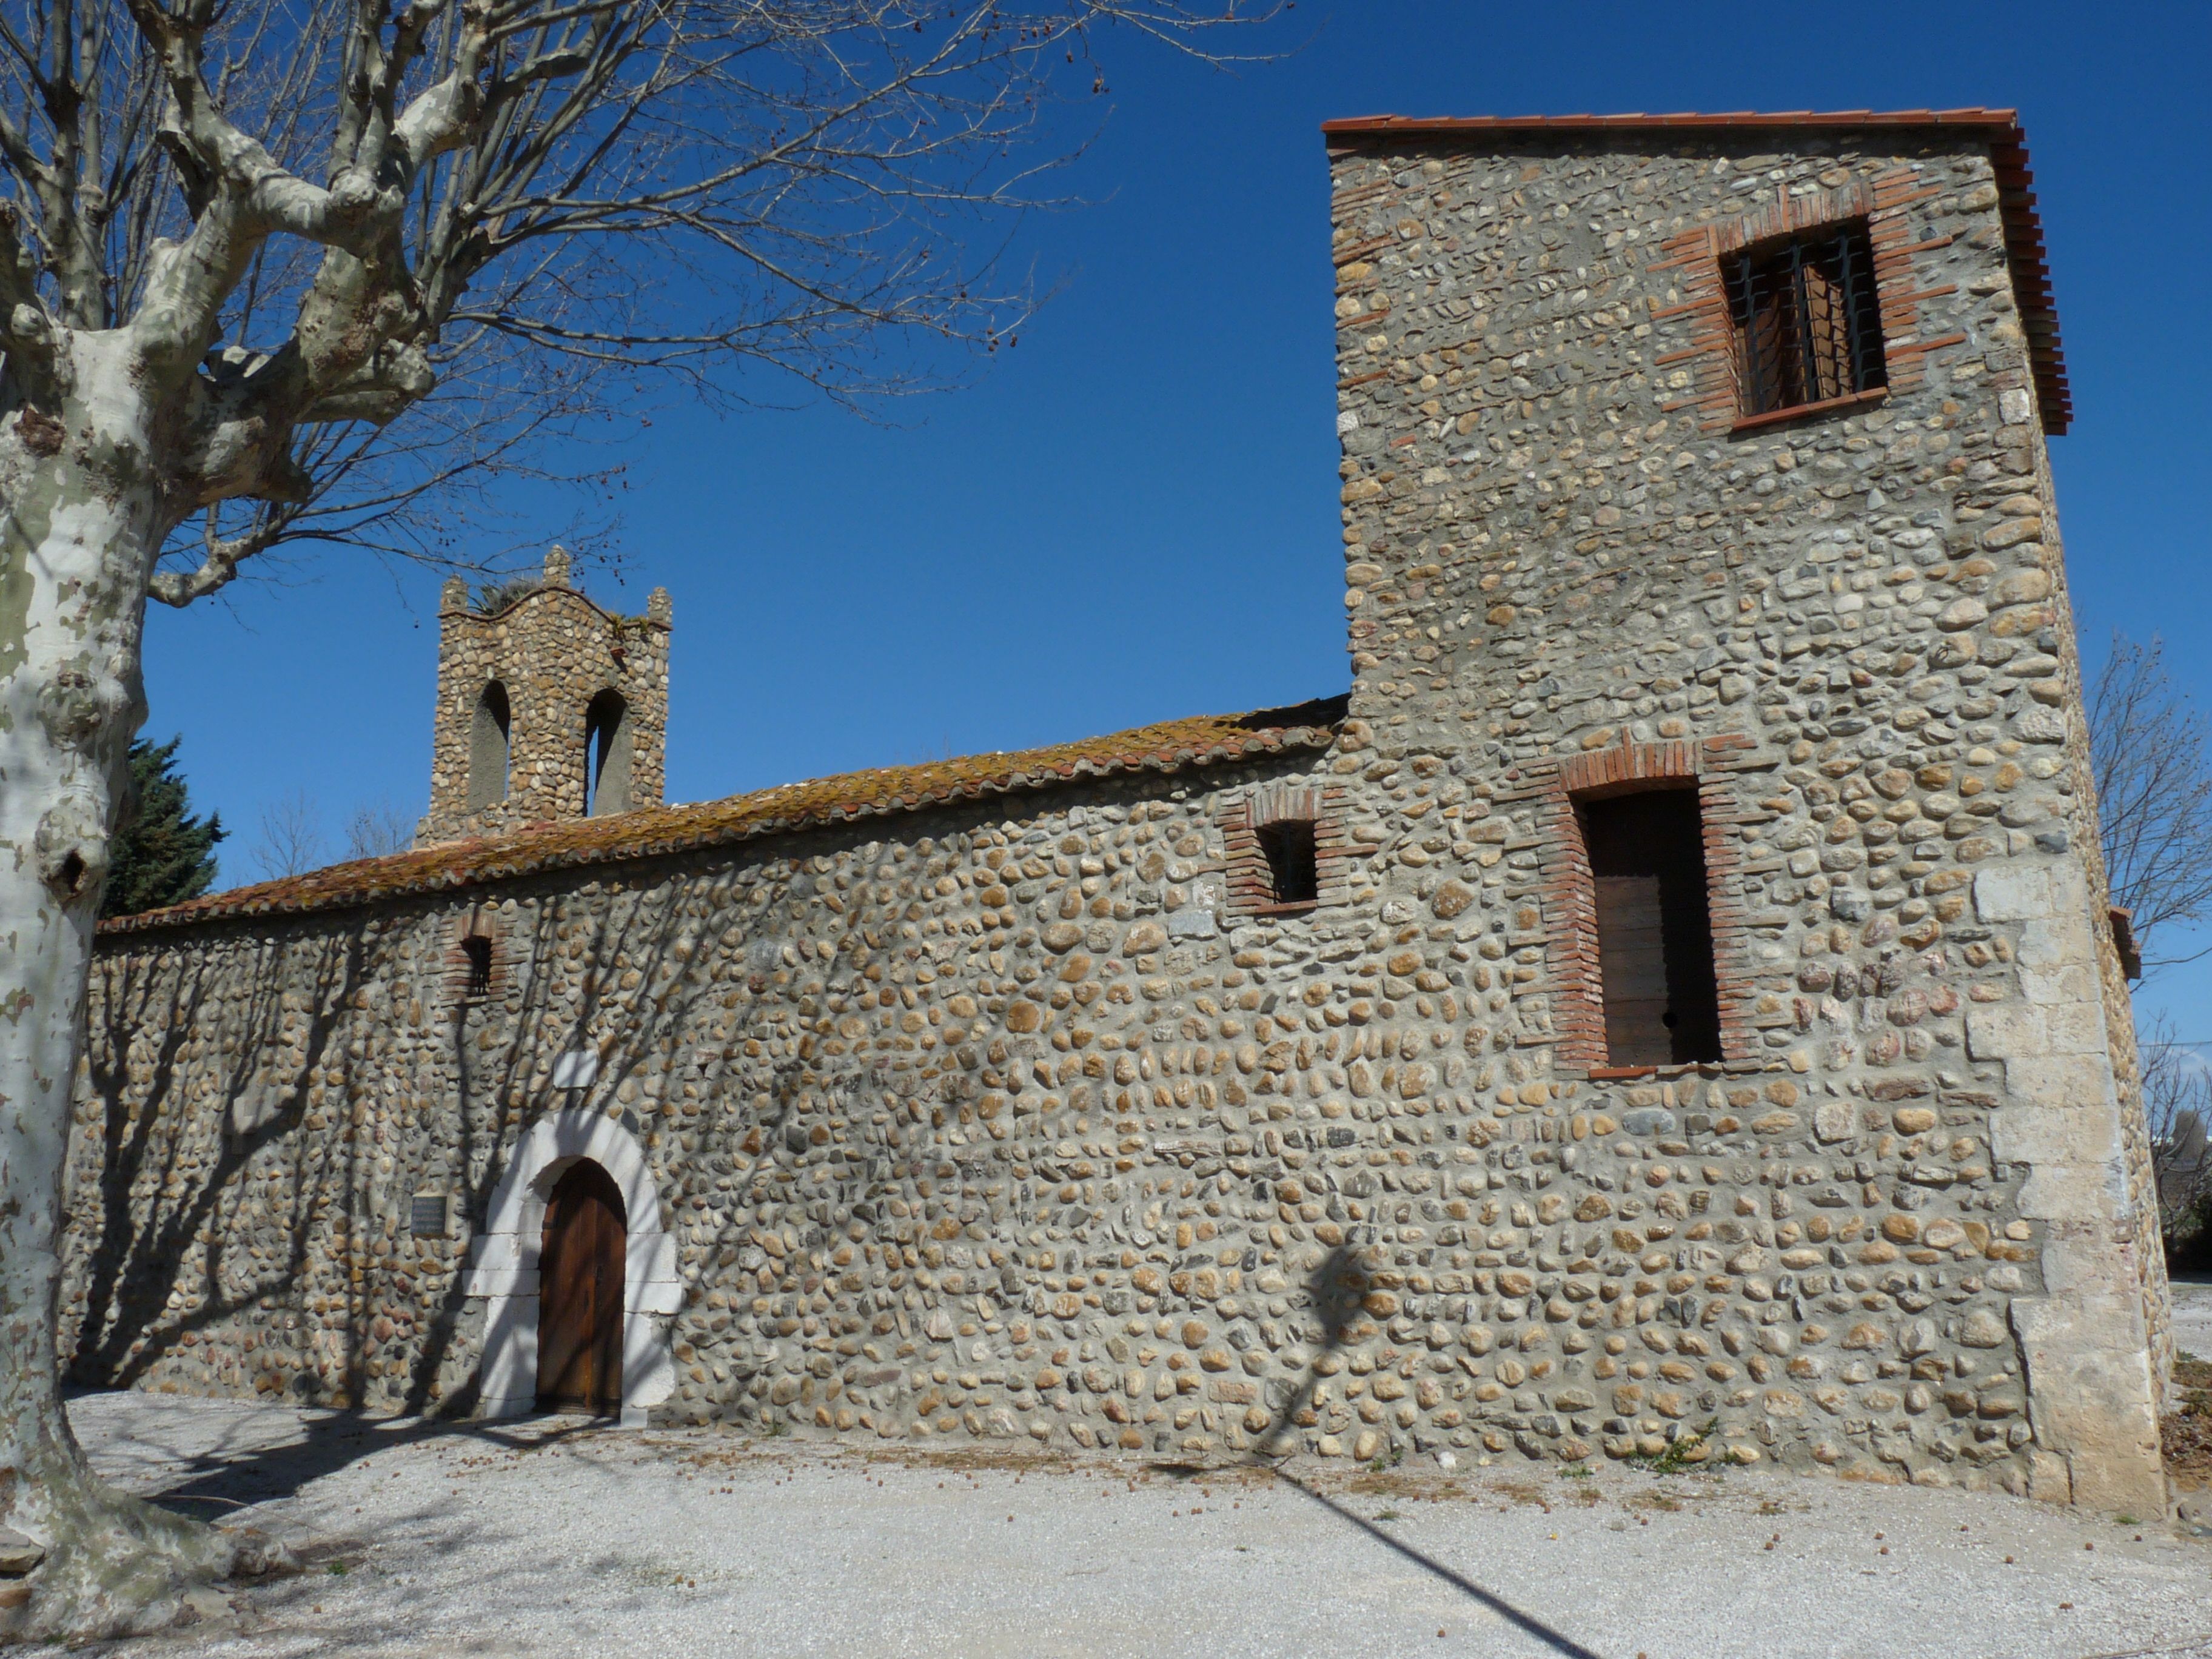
1168	747
2000	128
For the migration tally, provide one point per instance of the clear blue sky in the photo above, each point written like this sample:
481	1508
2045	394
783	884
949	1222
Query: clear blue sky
1133	515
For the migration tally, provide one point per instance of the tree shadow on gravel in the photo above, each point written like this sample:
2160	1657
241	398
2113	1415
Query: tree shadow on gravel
221	1480
1334	1289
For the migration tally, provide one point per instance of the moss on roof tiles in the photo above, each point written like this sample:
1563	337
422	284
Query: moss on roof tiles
1202	740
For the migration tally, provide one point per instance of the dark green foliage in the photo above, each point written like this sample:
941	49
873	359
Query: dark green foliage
162	853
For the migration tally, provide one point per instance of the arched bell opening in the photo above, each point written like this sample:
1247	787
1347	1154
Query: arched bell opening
607	755
490	746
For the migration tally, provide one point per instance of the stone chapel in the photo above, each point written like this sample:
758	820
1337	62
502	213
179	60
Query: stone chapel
1670	1001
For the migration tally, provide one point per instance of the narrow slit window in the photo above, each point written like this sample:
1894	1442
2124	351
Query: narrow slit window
1655	934
476	950
1808	320
491	729
1293	874
607	755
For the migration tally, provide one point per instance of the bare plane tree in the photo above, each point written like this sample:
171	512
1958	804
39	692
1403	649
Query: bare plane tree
377	829
289	841
2147	744
280	270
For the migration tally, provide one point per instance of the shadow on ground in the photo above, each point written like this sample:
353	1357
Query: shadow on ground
213	1482
1335	1287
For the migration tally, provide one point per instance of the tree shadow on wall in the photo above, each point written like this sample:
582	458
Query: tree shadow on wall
234	1112
500	1093
639	985
868	1139
171	1257
169	1260
632	983
1335	1289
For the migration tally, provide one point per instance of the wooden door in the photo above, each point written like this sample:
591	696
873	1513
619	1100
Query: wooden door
1657	973
1632	971
579	1294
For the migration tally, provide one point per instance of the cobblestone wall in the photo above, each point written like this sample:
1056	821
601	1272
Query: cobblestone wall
1001	1122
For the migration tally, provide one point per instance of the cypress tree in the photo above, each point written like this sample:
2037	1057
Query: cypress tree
161	854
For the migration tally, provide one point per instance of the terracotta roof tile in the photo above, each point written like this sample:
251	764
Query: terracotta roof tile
1204	741
2023	229
1970	116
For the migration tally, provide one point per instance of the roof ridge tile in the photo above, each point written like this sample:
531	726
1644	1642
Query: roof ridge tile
779	809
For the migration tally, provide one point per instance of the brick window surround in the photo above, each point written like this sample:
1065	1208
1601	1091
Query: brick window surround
476	935
1570	892
1244	815
1807	322
1699	255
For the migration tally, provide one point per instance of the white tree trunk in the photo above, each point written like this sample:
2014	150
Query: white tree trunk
83	512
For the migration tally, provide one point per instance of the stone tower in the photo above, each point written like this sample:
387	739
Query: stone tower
1696	497
550	707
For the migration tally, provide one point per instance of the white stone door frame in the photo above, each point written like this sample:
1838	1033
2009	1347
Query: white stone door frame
503	1264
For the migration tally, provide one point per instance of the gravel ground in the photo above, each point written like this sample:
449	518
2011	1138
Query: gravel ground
2192	1316
556	1537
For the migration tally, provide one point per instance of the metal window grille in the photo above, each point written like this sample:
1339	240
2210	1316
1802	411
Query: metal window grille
1808	320
478	950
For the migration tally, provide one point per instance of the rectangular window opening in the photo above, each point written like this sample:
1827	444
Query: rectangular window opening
478	950
1655	931
1808	320
1293	877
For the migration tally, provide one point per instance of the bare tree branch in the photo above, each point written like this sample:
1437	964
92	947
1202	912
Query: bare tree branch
2177	1088
2148	744
377	829
337	216
289	842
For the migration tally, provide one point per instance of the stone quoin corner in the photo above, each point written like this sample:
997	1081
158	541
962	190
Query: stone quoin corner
1671	1000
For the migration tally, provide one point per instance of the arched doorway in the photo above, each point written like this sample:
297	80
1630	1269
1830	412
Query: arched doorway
579	1308
503	1263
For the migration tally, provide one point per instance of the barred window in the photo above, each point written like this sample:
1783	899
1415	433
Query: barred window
476	965
1808	320
477	950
